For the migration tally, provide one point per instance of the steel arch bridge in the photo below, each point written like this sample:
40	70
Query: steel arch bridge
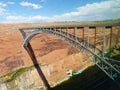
94	41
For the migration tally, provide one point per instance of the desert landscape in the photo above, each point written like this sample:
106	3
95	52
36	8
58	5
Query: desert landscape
51	52
54	56
60	45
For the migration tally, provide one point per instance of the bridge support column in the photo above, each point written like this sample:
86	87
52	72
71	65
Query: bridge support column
67	32
95	40
83	35
75	33
50	29
60	32
110	39
55	30
104	40
88	37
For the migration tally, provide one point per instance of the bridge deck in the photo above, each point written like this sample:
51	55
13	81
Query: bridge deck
96	42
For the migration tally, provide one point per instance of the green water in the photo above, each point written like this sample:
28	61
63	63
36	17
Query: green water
81	80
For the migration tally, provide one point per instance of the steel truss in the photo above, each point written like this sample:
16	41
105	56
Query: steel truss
110	66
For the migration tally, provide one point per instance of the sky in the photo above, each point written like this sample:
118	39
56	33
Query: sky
35	11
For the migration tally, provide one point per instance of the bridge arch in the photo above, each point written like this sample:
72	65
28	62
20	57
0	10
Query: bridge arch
34	33
71	40
30	51
41	31
111	70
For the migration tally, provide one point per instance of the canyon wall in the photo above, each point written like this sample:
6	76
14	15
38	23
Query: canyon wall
54	72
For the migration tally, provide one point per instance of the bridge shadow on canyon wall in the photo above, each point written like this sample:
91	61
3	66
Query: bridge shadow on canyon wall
36	65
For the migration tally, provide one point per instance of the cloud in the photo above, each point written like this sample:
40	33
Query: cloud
29	19
28	4
11	3
2	8
95	11
104	10
3	4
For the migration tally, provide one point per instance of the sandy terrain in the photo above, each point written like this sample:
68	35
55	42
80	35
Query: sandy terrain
48	49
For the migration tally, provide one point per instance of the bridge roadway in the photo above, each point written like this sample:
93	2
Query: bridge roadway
82	43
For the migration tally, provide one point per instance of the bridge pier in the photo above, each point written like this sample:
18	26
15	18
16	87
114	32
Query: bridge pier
104	40
75	34
95	40
110	39
83	35
67	32
88	40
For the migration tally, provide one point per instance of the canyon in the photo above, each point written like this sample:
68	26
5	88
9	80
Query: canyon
55	56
